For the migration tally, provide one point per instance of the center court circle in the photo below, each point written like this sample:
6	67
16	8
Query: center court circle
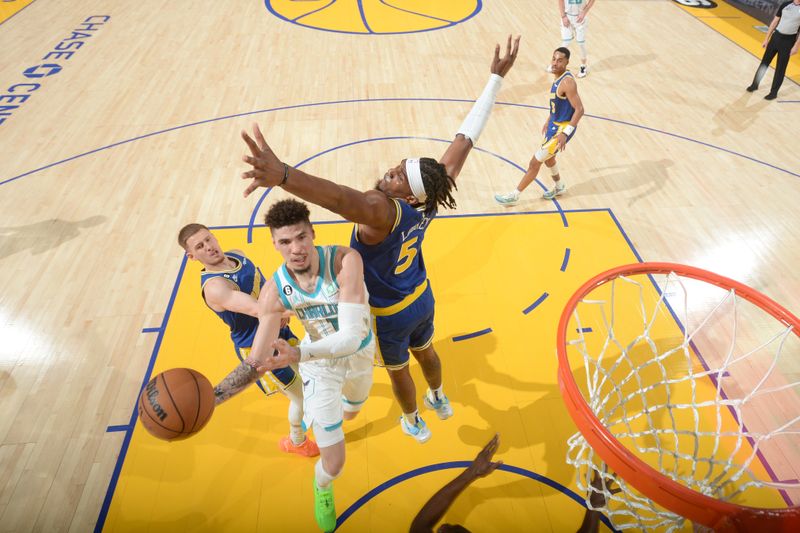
374	17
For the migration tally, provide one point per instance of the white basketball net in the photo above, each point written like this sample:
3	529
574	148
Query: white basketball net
681	380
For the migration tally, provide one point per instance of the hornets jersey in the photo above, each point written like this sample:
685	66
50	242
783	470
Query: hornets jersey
394	270
561	109
318	310
248	279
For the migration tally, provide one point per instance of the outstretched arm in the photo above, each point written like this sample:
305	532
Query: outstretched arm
270	312
434	509
467	136
220	295
370	208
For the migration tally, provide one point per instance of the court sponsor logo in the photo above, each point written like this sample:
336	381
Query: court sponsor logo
17	94
703	4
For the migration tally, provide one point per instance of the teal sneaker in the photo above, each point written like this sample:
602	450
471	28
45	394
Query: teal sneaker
324	509
507	199
441	406
557	190
419	430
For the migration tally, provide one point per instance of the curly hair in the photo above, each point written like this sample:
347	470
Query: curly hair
287	213
187	231
438	185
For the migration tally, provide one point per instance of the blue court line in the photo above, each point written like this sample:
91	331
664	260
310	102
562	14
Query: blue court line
367	100
471	335
565	261
151	330
583	330
17	13
268	5
312	12
461	464
535	304
387	4
112	429
112	484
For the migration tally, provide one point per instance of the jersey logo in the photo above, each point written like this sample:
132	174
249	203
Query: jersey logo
330	290
287	290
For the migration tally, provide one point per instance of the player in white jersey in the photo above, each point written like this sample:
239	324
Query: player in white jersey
573	24
324	286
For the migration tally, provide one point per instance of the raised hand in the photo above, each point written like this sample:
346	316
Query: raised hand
483	465
268	171
597	494
502	66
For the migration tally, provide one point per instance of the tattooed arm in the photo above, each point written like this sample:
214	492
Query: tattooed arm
270	311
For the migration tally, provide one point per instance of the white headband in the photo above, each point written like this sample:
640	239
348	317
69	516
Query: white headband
415	179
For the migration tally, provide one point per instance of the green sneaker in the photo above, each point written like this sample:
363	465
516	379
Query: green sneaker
324	510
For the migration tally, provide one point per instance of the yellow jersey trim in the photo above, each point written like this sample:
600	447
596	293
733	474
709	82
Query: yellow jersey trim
396	218
402	304
235	269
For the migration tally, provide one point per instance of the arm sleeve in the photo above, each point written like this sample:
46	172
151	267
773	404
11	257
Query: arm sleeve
354	330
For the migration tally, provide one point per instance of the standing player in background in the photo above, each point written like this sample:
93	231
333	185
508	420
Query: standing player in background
391	221
230	284
324	287
573	24
566	110
783	40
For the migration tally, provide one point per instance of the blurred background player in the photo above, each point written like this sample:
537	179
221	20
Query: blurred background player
324	287
566	110
230	286
573	25
391	221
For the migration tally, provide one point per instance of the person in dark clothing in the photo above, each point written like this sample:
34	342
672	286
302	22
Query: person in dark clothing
782	40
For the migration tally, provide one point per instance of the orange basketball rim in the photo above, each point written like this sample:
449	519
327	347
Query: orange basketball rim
720	515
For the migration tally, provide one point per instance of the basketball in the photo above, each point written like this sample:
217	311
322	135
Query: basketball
176	404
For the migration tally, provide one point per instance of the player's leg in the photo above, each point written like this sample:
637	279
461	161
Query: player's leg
323	411
393	336
297	442
558	186
358	381
580	37
421	345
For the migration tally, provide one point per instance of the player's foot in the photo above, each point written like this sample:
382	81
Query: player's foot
507	199
308	448
771	96
583	71
752	87
324	509
557	190
419	430
441	406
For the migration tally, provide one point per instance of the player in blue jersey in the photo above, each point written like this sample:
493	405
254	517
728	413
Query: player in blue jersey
566	110
391	223
230	285
324	287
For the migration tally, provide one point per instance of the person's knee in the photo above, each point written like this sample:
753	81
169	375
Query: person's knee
333	464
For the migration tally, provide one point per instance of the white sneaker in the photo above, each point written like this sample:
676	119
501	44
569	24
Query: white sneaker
557	190
583	71
442	406
507	199
419	430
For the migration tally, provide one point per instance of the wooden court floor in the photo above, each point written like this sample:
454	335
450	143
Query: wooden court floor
127	136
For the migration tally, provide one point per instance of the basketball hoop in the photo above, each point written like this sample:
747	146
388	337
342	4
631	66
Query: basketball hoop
676	409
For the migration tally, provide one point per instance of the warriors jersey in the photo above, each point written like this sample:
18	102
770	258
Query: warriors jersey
561	109
248	279
394	270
